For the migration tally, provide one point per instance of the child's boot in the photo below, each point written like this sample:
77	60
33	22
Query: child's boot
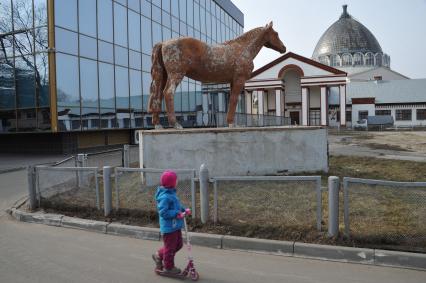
158	261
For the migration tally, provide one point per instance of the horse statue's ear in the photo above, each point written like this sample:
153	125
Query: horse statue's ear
270	25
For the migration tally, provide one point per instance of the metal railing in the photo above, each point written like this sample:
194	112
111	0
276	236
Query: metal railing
250	120
56	186
111	157
388	212
135	189
275	200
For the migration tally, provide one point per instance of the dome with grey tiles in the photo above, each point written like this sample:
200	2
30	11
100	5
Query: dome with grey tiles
349	44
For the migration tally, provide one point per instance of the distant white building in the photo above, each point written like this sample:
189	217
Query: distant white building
348	78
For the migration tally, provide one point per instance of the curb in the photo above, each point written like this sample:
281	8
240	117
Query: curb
284	248
9	170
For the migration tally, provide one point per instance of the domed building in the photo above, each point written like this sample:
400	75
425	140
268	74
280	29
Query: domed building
347	81
350	46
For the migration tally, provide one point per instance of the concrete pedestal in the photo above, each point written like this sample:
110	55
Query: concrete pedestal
236	151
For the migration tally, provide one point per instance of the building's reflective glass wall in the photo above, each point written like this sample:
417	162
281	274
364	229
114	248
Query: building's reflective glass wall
24	83
103	57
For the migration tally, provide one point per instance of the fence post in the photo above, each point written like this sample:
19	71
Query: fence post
126	155
333	206
32	187
107	190
204	193
80	163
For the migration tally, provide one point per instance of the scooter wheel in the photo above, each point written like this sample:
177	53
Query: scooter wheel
195	276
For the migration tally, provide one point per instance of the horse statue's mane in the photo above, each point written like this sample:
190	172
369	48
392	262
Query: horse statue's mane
245	37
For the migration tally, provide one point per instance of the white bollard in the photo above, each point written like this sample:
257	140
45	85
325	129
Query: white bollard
333	206
204	193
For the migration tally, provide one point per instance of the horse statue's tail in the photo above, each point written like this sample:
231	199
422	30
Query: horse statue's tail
159	78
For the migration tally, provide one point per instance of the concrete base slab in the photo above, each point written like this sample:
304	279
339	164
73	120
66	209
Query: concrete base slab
245	151
78	223
400	259
134	231
40	218
241	243
338	253
206	240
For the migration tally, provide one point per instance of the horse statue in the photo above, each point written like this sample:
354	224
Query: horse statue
230	62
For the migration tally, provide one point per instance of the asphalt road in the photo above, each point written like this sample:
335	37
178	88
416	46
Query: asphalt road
39	253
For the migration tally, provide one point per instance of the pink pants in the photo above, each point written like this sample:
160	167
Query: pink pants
172	244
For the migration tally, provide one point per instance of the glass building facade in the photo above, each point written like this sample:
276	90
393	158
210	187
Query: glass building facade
76	65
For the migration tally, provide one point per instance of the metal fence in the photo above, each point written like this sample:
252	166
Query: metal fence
135	190
67	187
385	212
251	120
112	157
281	201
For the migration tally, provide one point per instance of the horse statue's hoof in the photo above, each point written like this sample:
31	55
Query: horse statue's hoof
178	126
158	127
232	125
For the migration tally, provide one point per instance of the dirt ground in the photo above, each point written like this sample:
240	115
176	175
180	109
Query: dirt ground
402	145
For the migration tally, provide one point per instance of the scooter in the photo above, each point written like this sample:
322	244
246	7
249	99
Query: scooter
189	270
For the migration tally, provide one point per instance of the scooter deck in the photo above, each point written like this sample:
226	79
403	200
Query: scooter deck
166	274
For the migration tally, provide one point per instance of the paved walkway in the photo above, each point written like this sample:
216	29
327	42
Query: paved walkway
39	253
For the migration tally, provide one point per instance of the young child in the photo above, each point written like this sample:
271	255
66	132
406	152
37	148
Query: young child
171	214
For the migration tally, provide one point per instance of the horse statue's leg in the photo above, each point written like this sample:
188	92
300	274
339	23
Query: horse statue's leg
159	78
236	88
172	82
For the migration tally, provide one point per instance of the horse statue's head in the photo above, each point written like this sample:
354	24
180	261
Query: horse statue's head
272	39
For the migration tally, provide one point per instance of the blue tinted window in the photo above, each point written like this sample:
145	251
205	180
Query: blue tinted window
146	8
22	15
146	36
24	43
6	16
134	31
156	14
156	33
165	5
40	13
120	25
66	14
135	59
40	35
88	47
105	31
66	41
166	20
106	51
167	33
106	87
182	10
87	20
146	83
67	83
25	81
175	8
134	5
42	83
89	85
121	56
7	85
190	12
121	87
146	63
135	89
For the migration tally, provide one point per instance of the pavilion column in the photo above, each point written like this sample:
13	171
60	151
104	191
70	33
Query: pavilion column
342	92
260	106
324	106
278	102
305	106
249	102
205	104
221	102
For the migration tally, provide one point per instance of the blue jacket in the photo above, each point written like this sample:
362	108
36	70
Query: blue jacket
168	207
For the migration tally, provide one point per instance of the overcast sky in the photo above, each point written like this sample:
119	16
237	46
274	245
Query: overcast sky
398	25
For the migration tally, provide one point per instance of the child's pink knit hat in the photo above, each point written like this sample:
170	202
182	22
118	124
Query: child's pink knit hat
168	179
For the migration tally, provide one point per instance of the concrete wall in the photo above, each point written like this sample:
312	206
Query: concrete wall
241	151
